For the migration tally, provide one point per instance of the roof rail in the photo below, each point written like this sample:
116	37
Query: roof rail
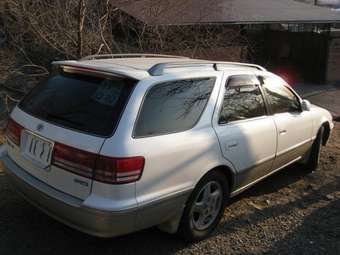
225	65
158	69
130	55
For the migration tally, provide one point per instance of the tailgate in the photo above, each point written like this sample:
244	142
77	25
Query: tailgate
42	135
69	115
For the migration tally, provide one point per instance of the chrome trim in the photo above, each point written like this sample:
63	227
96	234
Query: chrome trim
235	122
293	147
263	161
258	163
239	190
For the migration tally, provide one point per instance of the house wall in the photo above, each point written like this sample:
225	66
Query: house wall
232	53
300	57
333	63
328	2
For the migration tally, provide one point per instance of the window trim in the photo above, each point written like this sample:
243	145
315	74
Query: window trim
225	87
134	136
296	95
242	121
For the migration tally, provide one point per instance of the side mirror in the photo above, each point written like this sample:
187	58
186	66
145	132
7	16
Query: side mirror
305	105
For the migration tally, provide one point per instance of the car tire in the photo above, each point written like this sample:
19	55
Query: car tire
205	207
314	156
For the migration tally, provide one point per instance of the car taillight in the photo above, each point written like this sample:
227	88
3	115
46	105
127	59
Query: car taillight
74	160
13	131
118	170
98	167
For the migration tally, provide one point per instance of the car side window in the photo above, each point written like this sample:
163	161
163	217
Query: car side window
281	98
243	99
173	106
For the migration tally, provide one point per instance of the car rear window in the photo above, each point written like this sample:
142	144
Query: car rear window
79	101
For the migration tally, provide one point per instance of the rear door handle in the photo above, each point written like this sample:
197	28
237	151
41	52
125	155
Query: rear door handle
282	132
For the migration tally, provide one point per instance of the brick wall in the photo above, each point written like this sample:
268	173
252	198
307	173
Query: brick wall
333	63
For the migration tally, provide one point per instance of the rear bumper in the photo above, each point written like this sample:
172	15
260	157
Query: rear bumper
68	209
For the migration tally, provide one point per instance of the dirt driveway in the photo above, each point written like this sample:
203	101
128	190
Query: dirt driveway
292	212
329	100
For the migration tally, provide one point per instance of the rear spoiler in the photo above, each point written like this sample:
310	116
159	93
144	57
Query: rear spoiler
115	70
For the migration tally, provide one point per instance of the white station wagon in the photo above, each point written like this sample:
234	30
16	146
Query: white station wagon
113	144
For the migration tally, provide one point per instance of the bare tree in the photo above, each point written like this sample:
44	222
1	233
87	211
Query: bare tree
68	29
81	19
43	29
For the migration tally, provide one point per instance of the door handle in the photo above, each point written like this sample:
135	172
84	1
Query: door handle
283	131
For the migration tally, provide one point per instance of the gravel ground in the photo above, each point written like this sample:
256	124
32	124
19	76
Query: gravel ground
292	212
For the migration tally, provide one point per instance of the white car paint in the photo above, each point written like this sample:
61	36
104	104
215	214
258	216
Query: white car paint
174	163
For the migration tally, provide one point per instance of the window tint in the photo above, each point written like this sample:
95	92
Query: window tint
173	106
242	100
281	99
81	102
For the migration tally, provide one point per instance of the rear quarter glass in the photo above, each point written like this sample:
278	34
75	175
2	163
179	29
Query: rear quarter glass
173	106
80	102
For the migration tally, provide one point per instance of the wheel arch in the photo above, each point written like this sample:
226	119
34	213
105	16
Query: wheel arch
171	226
227	172
326	133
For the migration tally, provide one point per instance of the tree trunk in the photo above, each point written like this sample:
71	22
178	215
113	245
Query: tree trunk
81	18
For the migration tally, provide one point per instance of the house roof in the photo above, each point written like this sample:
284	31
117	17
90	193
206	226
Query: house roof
184	12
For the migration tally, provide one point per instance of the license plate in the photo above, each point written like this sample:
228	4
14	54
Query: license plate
36	149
